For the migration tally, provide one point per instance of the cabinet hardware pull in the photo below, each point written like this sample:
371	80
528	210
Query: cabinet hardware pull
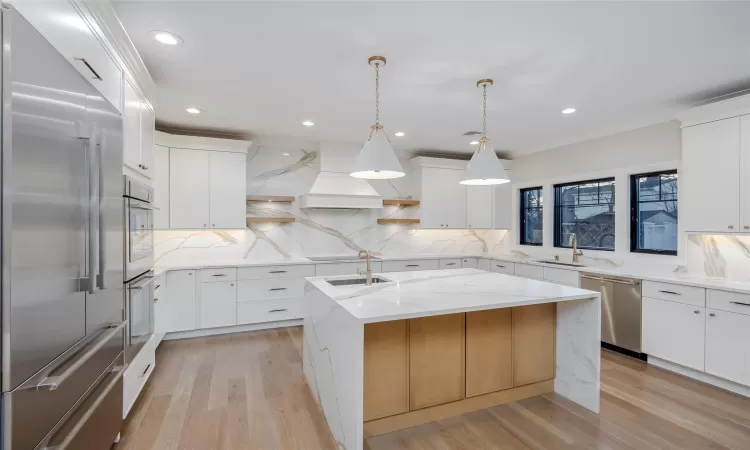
156	299
277	289
501	266
669	292
697	312
412	265
277	310
277	271
747	227
712	315
96	75
145	167
450	264
146	370
731	227
218	275
157	286
740	303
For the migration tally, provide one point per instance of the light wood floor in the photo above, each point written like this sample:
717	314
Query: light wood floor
247	391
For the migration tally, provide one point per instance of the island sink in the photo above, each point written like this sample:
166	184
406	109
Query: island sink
356	281
439	343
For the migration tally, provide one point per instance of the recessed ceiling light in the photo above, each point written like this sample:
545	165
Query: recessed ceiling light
285	154
308	123
474	143
399	133
568	110
166	38
194	110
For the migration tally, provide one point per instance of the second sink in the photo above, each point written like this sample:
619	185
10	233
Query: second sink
356	281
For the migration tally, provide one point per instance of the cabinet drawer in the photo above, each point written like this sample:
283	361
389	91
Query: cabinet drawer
259	290
675	293
485	264
409	265
529	271
728	301
502	267
470	263
451	263
345	268
286	271
137	374
224	274
269	311
562	276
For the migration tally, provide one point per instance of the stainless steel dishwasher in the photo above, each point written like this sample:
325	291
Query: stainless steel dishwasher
621	311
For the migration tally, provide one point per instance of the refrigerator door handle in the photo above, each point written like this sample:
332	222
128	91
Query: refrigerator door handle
93	212
102	225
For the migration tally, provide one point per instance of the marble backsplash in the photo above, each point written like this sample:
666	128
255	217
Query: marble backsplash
315	232
721	256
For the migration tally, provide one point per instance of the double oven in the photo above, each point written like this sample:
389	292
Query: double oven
139	265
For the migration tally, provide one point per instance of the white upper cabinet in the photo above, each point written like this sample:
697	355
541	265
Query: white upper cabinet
710	176
148	121
745	173
443	202
138	132
479	206
501	206
188	188
227	178
161	187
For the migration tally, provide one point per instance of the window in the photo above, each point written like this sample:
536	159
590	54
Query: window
653	213
531	216
586	209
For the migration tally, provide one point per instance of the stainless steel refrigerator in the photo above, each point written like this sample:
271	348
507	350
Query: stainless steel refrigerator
62	251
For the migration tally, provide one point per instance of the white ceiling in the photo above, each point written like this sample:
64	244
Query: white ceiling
264	67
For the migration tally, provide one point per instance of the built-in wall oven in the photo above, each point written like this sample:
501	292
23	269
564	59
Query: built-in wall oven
139	265
139	235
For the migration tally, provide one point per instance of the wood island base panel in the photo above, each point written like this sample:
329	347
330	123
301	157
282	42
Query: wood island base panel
428	345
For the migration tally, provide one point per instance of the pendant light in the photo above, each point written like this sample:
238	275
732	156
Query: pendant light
484	167
377	160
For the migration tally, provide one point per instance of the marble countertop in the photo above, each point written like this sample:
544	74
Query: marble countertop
434	292
662	276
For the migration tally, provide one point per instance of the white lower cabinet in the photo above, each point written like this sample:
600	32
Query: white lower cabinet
727	339
161	308
451	263
507	268
269	310
484	264
529	271
218	304
182	300
470	263
674	332
136	375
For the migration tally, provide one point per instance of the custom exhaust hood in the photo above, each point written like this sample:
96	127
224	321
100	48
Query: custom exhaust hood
334	187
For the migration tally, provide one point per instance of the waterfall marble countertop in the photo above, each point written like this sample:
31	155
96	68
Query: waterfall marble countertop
434	292
686	279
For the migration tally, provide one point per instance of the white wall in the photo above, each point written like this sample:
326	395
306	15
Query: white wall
647	149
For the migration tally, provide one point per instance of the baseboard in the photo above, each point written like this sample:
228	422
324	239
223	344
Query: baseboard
700	376
227	330
439	412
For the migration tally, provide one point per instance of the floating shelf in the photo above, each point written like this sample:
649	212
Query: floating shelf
270	220
270	198
401	221
400	202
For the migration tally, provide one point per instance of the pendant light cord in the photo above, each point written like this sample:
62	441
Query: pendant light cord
484	112
377	93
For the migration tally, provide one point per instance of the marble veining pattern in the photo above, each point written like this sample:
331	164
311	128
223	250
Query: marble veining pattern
723	256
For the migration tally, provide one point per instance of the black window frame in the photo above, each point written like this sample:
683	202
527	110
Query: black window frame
522	210
557	213
634	226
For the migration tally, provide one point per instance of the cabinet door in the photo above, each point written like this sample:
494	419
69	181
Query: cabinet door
188	188
147	140
131	127
710	176
501	206
161	306
181	300
161	187
745	173
227	189
674	332
218	304
386	369
443	202
489	351
727	337
534	343
479	206
436	360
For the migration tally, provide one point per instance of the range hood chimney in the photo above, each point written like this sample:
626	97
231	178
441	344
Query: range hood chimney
334	187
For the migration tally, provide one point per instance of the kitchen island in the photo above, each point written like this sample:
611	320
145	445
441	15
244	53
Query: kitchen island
421	346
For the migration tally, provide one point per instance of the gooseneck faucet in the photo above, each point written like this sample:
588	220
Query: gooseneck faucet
367	273
573	242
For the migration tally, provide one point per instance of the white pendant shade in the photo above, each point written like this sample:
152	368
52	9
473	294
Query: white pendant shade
377	160
484	167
